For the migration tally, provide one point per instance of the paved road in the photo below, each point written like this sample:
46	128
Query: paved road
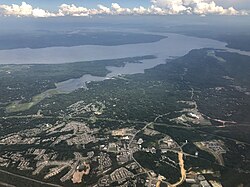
29	179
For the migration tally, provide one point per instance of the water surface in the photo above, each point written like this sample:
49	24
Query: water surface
174	45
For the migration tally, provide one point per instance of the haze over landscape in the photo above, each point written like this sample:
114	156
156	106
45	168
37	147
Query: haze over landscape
125	93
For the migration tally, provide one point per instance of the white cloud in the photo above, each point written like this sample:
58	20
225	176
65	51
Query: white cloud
117	9
170	6
140	10
104	9
158	7
212	8
37	12
200	7
23	10
115	6
72	10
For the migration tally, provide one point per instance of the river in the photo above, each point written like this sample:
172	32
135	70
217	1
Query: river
174	45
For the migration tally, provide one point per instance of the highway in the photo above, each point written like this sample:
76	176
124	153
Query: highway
40	183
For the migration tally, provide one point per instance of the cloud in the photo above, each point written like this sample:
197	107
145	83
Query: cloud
158	7
170	6
104	9
117	9
72	10
23	10
200	7
212	8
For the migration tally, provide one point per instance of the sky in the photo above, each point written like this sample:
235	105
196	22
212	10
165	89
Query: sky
56	8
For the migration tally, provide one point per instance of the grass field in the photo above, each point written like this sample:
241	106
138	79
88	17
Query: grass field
19	107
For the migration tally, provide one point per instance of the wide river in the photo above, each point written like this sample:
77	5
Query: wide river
174	45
